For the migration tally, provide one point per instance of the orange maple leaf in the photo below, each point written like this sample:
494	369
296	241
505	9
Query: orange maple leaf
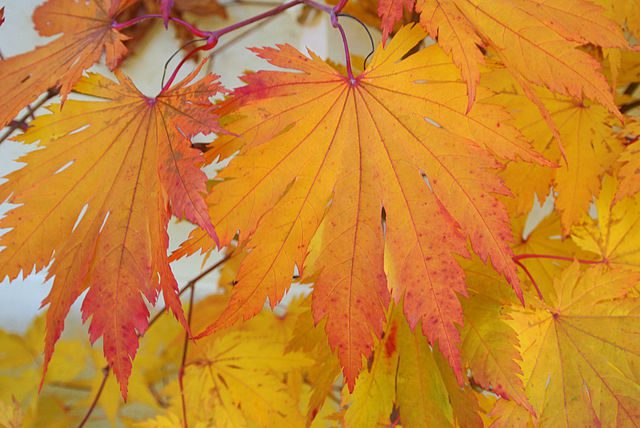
87	32
536	39
97	198
321	157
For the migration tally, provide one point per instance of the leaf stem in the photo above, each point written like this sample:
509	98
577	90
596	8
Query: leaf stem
21	123
94	403
531	278
345	43
212	37
193	29
185	348
552	257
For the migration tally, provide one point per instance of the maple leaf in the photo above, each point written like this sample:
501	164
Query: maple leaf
312	141
614	235
536	39
87	32
580	348
312	340
97	199
546	238
591	147
489	344
630	171
407	375
625	12
238	378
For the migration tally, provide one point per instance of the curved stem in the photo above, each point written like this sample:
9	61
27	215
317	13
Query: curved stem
212	37
94	403
174	74
185	348
347	54
552	257
193	29
531	278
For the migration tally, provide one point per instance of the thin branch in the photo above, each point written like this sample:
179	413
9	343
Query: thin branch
631	88
531	278
94	403
21	123
625	108
552	257
185	348
192	283
212	37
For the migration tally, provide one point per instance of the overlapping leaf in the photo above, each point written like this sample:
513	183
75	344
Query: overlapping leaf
581	350
591	145
536	39
322	157
87	33
96	198
614	235
489	344
237	379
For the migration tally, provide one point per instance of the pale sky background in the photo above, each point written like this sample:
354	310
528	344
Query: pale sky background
20	300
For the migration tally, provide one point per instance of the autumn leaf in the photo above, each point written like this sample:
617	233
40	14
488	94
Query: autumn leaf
87	33
372	400
591	146
312	142
489	344
545	238
96	198
630	171
312	340
537	40
236	379
580	348
613	236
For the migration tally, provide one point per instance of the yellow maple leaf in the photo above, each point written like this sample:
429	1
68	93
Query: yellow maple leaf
489	344
591	147
238	378
537	40
614	234
580	349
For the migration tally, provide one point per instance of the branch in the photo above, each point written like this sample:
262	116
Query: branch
21	123
185	348
552	257
106	371
212	37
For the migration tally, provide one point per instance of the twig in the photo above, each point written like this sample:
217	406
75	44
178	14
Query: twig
625	108
531	278
185	348
552	257
192	283
106	371
21	123
517	260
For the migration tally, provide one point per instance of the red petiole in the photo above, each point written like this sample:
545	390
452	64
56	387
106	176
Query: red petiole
212	37
552	257
517	260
